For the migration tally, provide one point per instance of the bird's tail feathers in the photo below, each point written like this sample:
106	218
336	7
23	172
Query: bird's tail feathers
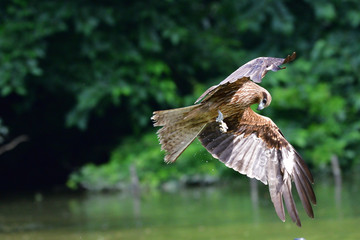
165	117
177	131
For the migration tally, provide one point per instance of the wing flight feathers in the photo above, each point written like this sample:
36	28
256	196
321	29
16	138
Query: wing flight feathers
260	151
255	69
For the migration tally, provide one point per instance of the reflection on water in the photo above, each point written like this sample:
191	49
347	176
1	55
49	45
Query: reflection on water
198	213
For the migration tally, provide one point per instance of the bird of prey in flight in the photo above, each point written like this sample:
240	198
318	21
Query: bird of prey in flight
243	140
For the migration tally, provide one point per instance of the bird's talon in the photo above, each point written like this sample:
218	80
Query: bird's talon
222	124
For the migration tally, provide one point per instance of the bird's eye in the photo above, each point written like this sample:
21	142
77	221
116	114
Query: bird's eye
264	101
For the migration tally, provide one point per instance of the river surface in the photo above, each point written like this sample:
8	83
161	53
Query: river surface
220	212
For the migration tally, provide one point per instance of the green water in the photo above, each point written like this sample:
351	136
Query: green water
198	213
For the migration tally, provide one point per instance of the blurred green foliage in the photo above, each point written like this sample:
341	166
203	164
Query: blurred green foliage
142	56
145	154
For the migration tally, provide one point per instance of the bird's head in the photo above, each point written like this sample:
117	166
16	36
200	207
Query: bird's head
264	99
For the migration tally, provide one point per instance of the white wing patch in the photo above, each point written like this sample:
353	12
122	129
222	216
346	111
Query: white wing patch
288	159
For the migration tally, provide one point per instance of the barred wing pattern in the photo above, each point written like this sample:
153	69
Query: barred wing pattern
255	70
260	151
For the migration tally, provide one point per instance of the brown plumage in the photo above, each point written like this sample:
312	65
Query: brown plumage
240	138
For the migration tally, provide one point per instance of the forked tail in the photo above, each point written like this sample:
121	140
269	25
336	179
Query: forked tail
177	131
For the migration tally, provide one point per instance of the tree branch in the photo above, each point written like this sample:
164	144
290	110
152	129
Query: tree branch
11	145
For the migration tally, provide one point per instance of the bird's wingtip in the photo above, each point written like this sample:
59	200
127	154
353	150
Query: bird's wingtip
290	58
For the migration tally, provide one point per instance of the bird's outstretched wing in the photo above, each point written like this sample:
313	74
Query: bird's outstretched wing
254	146
255	70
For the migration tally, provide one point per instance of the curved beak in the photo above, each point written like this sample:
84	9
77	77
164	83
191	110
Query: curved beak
261	106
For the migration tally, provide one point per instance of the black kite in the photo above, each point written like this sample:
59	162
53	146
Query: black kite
240	138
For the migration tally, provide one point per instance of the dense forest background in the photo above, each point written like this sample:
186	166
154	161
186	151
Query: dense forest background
79	81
